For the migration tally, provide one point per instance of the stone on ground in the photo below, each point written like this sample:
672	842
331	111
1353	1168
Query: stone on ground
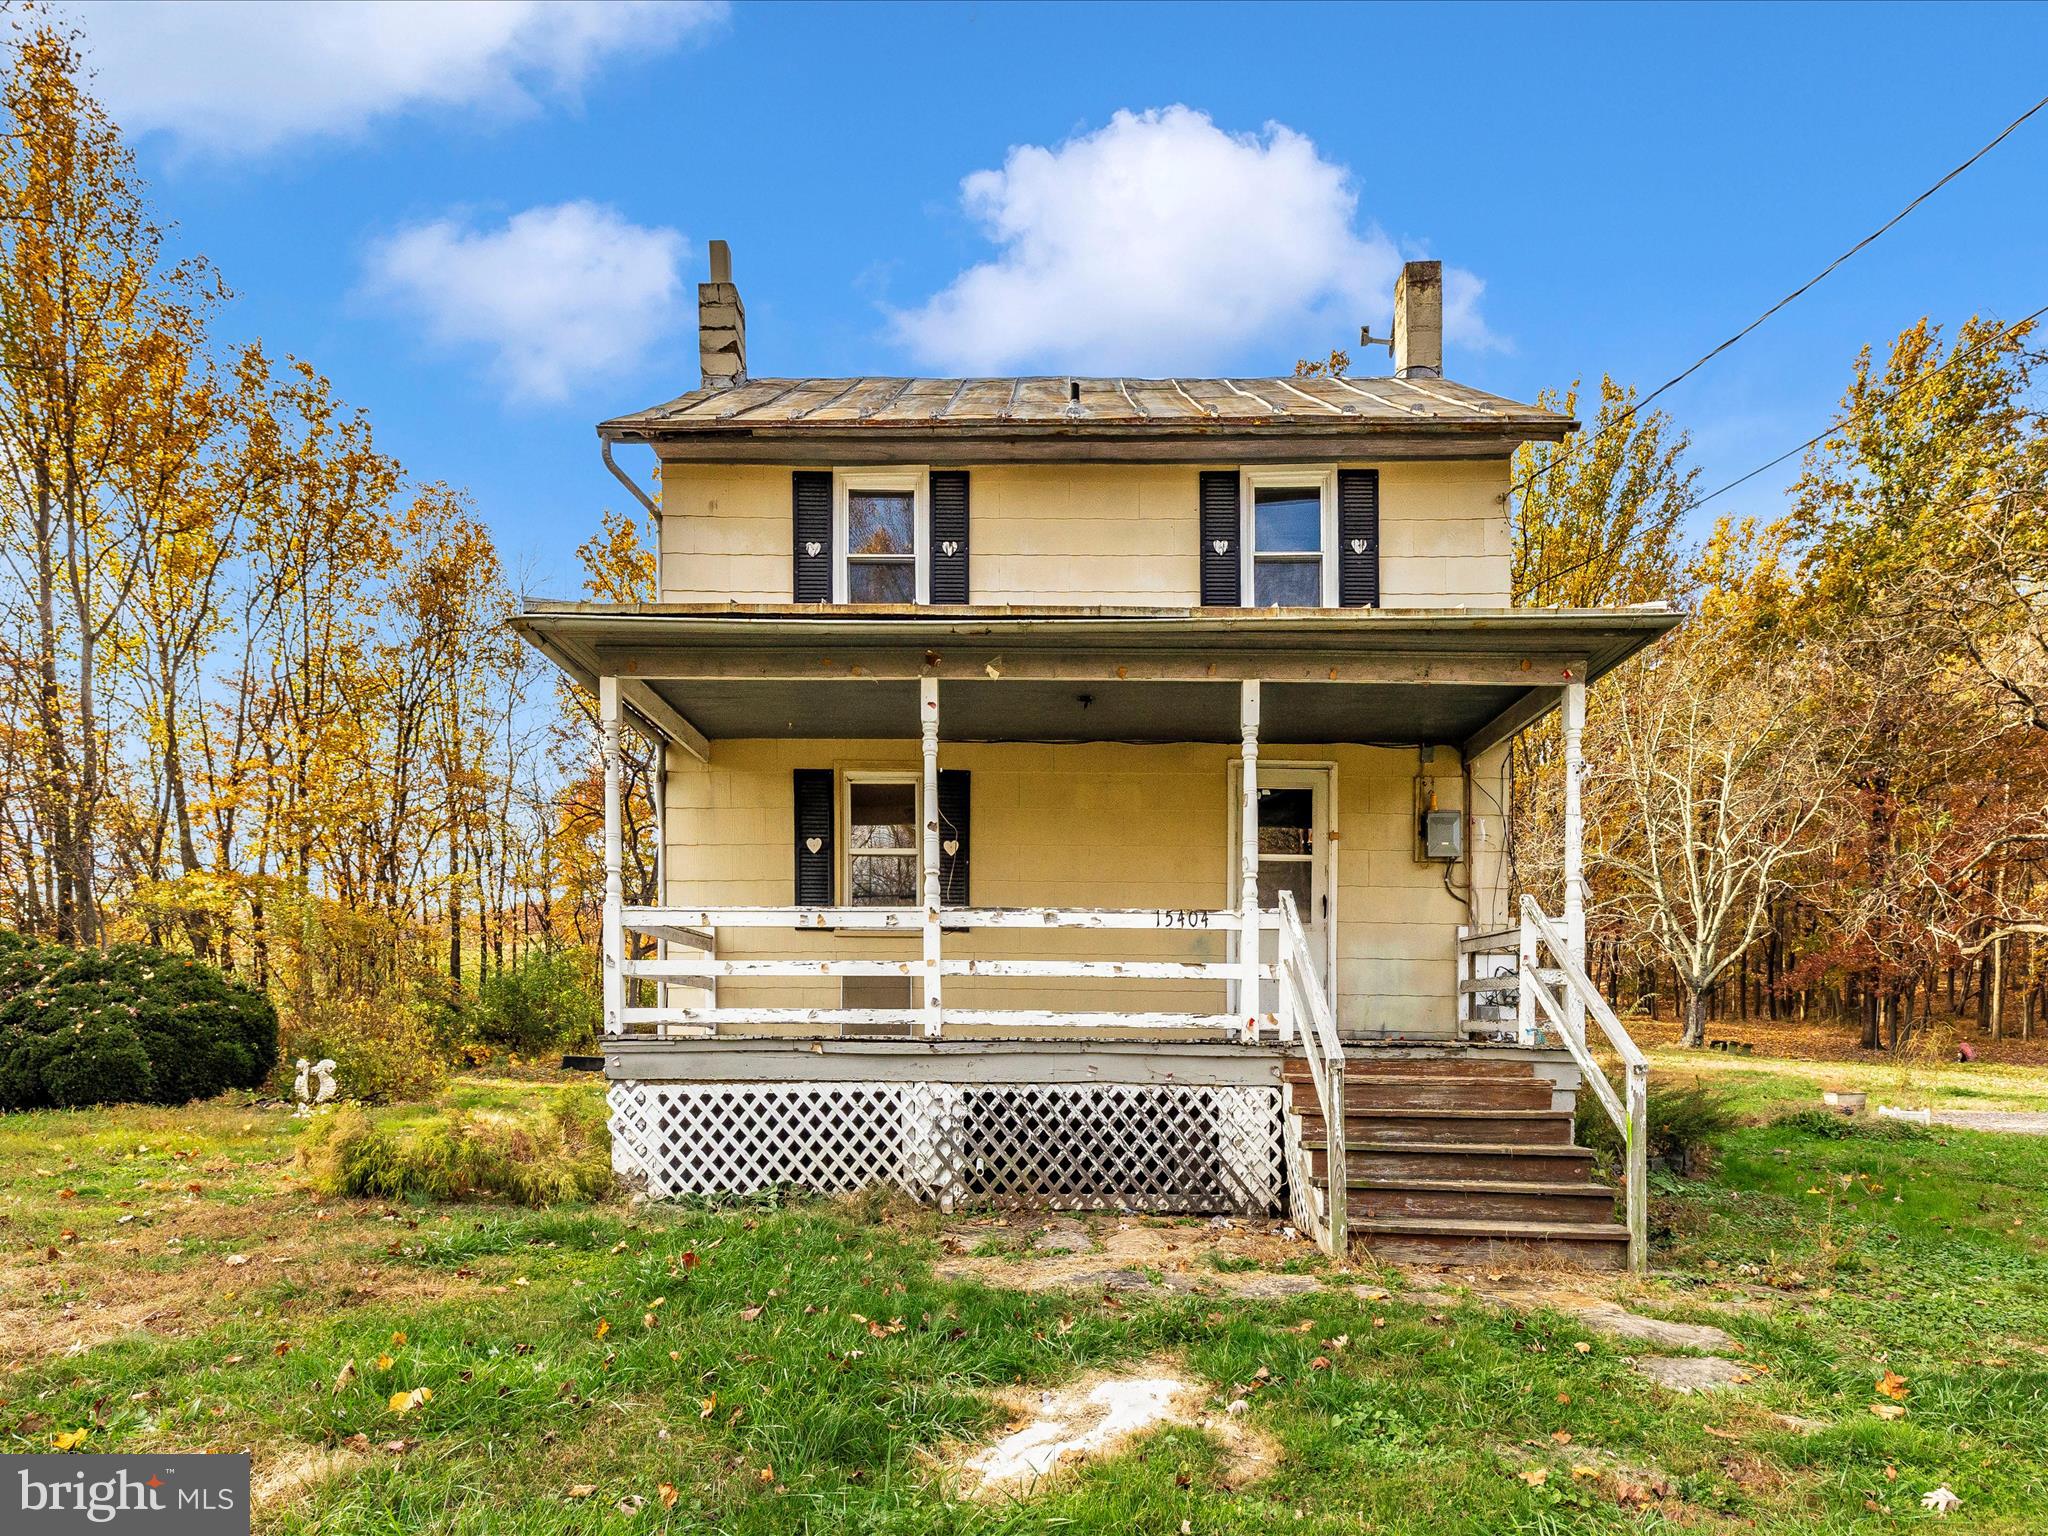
1618	1322
1691	1373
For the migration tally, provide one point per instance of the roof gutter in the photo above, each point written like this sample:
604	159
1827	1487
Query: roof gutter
605	439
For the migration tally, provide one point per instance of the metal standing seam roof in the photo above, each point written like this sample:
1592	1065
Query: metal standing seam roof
1080	404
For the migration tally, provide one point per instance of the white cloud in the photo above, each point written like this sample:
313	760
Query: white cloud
556	296
1160	243
246	77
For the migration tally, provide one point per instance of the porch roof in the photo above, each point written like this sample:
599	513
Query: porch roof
1462	677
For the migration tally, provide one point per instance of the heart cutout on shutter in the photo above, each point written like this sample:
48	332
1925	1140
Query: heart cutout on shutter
1358	546
815	844
950	548
952	847
813	548
1221	546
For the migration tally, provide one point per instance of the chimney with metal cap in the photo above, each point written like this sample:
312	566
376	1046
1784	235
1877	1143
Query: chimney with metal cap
1419	321
721	324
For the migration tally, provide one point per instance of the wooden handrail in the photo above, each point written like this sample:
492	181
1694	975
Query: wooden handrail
1324	1052
911	919
1629	1110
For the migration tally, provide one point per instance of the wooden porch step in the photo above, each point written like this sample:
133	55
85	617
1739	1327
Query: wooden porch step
1373	1090
1449	1127
1486	1200
1431	1240
1368	1060
1455	1160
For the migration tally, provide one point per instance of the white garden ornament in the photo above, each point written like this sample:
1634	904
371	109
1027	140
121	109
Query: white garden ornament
314	1085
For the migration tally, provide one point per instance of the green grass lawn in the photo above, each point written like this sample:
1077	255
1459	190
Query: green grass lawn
165	1283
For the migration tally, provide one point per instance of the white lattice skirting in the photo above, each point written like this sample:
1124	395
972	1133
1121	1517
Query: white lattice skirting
1080	1146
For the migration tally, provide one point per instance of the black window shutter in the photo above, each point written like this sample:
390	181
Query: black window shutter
811	546
813	836
1358	538
946	544
1220	539
955	805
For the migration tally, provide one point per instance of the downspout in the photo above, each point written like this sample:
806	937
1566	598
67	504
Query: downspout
660	785
604	443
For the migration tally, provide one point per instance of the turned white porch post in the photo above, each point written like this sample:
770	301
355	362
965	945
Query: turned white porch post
1248	937
1574	845
928	727
613	942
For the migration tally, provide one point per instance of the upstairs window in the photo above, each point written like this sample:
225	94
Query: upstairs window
1287	537
882	864
879	522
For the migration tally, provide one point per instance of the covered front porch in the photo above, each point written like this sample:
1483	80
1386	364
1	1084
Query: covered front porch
1144	785
1199	844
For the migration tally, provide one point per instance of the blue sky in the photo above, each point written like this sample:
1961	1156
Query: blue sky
486	223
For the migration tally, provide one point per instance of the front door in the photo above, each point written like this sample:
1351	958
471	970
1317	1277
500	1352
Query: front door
1294	856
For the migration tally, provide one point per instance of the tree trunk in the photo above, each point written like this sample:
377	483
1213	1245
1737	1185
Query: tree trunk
1694	1034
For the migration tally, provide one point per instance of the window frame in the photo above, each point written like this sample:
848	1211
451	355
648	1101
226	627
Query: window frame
1317	477
916	479
850	777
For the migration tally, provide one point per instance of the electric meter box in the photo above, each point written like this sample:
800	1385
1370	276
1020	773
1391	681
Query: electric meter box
1443	835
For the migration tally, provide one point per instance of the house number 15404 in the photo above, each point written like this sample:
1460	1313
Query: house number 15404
1171	917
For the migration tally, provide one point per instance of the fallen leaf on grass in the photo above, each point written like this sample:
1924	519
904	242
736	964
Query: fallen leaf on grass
385	1362
666	1495
405	1402
1893	1386
69	1440
348	1374
1581	1472
708	1407
632	1503
767	1474
603	1327
1940	1500
1535	1477
748	1314
580	1490
1888	1410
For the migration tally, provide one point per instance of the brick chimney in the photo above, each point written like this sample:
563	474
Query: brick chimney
721	324
1418	321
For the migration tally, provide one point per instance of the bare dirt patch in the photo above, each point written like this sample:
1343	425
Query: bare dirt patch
189	1268
1056	1431
287	1475
1122	1254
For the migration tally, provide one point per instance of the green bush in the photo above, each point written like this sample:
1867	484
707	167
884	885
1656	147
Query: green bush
1829	1126
553	1154
132	1024
1682	1119
544	1002
384	1050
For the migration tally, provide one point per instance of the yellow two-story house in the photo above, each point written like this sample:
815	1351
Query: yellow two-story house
1092	791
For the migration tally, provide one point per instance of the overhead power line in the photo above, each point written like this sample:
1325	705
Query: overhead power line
1843	420
1918	382
1706	357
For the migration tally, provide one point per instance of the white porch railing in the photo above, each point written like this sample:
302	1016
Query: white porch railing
1553	988
693	926
1305	1011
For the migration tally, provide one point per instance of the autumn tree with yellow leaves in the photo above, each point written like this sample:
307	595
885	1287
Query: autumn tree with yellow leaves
256	694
